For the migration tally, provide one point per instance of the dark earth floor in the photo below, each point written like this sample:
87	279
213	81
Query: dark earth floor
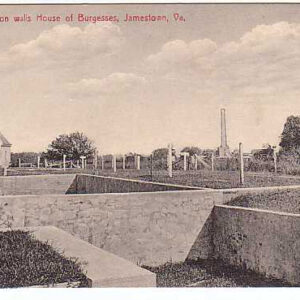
209	179
224	179
199	178
281	201
210	273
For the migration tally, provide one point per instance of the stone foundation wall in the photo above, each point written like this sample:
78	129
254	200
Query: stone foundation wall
35	184
146	228
92	184
264	241
79	184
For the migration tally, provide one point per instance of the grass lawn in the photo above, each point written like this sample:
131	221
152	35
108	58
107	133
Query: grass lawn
26	262
210	273
282	201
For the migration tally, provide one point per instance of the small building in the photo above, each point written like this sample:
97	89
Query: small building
5	154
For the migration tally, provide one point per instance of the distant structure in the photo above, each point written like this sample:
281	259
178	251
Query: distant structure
5	154
223	150
265	153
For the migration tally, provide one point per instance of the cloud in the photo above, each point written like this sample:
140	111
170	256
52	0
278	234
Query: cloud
176	54
174	95
264	61
114	84
64	44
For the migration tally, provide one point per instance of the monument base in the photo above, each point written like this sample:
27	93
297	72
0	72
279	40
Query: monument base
224	152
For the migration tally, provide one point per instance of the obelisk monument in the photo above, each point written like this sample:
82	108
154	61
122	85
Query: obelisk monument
223	149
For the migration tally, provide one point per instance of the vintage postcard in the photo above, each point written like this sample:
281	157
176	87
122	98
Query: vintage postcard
150	145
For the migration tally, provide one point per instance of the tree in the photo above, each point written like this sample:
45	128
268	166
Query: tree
72	145
290	137
160	158
160	153
192	150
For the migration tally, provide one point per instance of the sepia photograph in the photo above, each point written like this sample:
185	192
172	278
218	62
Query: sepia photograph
150	145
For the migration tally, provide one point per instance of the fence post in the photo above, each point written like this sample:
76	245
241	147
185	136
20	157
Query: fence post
20	163
242	178
213	161
170	171
124	162
38	161
138	162
184	162
96	160
114	163
196	162
151	166
82	161
275	160
102	162
64	162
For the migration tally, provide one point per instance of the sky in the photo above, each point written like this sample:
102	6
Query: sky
138	86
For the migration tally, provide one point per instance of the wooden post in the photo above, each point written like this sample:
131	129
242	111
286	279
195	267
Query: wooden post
213	161
151	166
138	162
114	163
64	162
170	171
124	162
102	162
20	163
38	161
196	162
82	162
275	160
242	179
96	160
184	161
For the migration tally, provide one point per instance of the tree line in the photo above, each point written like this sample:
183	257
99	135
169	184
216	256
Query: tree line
77	144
